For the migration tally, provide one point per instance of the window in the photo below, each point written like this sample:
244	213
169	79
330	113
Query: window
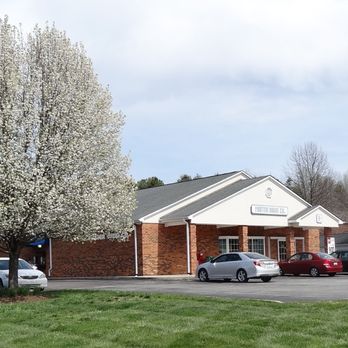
282	249
222	246
233	244
228	244
344	255
306	257
233	257
222	258
325	256
295	257
256	256
256	245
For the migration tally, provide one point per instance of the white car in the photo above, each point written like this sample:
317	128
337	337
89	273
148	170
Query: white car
28	275
239	265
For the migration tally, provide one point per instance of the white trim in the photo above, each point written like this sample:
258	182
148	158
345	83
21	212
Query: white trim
142	219
188	251
271	178
50	256
229	237
136	250
279	238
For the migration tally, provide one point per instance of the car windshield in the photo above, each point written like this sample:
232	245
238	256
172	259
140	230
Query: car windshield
325	256
256	256
4	265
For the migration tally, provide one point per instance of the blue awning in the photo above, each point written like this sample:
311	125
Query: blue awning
39	242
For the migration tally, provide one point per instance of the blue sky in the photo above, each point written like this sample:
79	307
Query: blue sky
214	86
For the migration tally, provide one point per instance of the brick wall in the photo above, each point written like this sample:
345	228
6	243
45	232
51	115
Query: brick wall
172	257
312	240
92	259
208	240
162	249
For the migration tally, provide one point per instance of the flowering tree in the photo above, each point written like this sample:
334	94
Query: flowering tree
62	173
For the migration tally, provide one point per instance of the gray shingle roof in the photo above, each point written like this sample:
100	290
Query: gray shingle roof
303	212
208	200
152	199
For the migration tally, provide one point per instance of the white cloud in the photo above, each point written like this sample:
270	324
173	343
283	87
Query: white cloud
297	44
232	84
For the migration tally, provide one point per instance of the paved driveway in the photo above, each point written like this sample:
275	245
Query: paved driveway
284	289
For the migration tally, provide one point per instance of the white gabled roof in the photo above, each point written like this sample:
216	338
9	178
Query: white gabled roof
315	216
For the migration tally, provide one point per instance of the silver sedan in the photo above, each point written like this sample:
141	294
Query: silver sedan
239	265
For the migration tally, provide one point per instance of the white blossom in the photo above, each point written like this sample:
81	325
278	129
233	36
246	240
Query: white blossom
62	173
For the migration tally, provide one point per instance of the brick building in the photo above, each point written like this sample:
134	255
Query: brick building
176	224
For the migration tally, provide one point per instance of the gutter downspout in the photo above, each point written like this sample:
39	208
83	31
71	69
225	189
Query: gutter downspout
136	250
50	256
188	250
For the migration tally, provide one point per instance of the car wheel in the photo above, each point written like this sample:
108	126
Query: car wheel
281	272
332	274
203	275
1	284
266	279
242	276
314	272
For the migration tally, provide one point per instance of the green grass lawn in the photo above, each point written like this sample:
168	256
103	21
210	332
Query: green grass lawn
115	319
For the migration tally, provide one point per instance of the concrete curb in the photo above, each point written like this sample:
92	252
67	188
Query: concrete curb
161	277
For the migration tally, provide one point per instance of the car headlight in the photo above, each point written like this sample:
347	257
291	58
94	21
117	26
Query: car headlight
42	275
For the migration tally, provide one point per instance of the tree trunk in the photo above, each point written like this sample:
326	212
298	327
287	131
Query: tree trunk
13	267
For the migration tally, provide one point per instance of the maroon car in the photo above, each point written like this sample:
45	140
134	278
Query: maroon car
313	264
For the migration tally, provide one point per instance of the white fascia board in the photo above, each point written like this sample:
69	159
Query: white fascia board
194	194
269	177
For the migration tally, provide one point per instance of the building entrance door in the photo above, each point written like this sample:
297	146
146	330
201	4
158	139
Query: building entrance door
278	248
281	249
39	260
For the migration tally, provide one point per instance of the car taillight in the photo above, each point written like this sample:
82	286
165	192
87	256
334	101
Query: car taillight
257	263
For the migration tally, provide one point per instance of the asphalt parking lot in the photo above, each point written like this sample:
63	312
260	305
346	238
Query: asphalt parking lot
282	289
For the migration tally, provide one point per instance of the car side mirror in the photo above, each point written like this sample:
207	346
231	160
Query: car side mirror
35	267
